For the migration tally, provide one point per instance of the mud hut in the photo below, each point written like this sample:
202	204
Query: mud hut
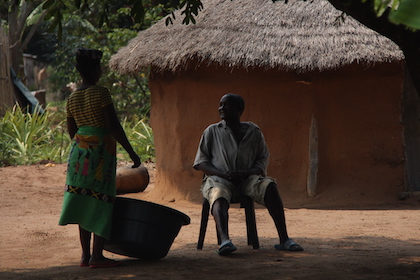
326	93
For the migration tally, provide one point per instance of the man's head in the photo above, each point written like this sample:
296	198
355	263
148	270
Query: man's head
231	106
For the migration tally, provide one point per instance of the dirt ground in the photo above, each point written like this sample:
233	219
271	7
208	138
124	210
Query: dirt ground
375	242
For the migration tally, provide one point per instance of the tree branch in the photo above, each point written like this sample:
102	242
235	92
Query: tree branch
139	84
26	8
365	14
33	30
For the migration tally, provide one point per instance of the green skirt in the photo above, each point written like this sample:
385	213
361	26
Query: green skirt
90	183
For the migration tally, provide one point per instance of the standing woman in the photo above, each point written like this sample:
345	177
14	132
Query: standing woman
90	185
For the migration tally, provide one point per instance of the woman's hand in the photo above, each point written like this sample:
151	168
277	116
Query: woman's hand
136	160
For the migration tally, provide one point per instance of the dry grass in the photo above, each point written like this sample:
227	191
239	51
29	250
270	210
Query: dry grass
299	36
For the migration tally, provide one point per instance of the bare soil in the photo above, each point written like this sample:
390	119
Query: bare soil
365	242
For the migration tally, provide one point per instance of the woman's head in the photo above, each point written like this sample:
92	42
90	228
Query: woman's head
88	63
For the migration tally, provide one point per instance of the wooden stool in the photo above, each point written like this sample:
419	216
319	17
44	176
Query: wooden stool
251	227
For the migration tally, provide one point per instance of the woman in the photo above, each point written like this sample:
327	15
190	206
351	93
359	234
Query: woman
90	185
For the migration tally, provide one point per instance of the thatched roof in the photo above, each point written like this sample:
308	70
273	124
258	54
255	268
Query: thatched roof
300	36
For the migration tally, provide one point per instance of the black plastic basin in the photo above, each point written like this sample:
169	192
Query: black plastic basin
143	229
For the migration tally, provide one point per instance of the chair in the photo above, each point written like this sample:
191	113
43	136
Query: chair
251	227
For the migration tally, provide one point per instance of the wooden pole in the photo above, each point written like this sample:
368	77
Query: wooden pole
313	158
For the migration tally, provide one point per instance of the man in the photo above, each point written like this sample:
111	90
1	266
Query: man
233	156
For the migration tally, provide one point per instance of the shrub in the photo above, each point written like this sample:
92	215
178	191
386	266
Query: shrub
29	138
140	135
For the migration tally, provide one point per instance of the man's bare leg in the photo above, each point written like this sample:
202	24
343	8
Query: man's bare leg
221	217
275	207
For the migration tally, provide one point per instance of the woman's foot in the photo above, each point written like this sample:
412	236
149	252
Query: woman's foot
105	262
84	262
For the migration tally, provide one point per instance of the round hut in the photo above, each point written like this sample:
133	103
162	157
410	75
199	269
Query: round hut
325	90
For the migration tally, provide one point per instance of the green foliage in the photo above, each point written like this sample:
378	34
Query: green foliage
130	92
191	9
30	138
408	13
380	6
107	25
102	10
140	135
6	154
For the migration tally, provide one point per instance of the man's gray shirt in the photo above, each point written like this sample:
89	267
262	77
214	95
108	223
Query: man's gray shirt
219	147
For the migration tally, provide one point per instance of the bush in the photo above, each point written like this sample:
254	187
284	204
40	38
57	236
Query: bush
32	138
140	135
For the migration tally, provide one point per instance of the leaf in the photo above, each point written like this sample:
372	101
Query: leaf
408	13
47	4
50	14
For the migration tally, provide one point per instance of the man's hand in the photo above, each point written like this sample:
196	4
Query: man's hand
236	177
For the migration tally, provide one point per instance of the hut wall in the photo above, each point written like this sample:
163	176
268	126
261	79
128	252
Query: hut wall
357	110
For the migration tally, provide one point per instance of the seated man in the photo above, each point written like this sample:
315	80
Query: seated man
234	158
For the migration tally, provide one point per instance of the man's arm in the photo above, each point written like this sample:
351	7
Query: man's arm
114	126
243	174
239	176
233	176
209	169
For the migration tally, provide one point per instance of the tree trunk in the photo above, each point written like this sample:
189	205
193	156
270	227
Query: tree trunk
16	51
19	12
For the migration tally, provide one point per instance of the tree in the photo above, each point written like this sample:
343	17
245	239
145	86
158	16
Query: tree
407	13
379	15
408	39
59	26
15	13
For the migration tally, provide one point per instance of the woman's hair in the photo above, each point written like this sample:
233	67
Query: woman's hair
88	61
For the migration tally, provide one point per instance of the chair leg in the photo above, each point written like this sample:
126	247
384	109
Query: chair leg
203	225
251	225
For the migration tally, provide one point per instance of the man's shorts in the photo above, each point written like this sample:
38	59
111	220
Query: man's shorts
215	187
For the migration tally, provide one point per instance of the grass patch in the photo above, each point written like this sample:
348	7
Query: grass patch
32	138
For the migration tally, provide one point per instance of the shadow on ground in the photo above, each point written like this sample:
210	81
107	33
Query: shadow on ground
361	257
